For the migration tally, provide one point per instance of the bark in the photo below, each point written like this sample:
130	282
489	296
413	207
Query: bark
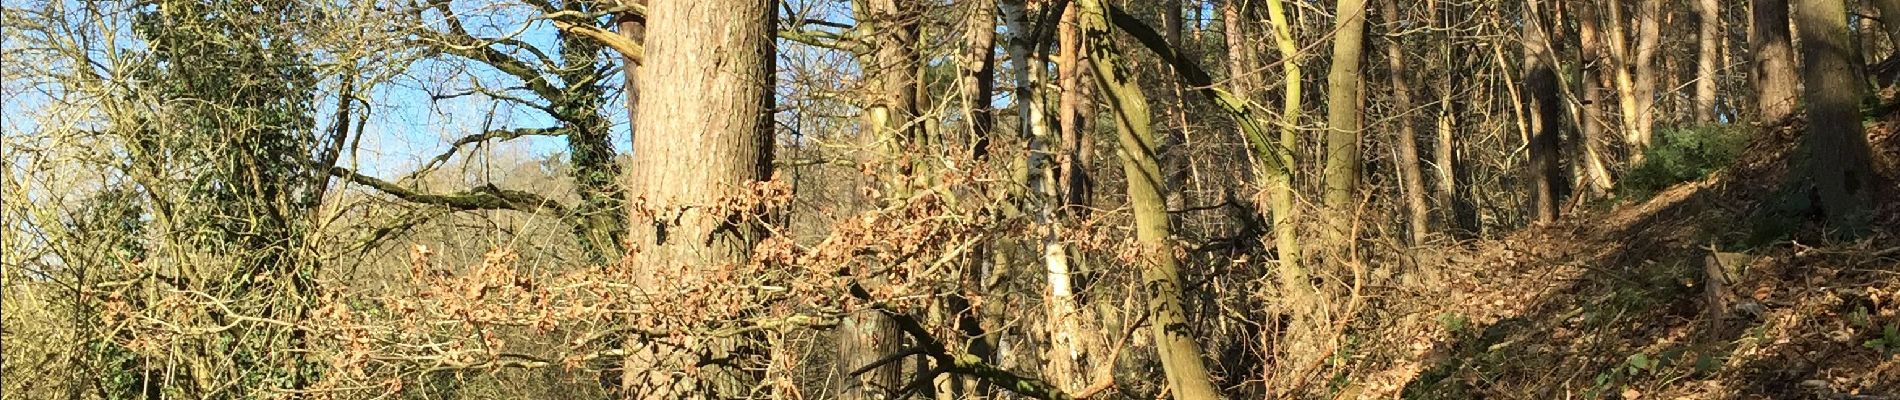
891	112
1590	114
1444	153
590	150
1540	82
1635	80
1837	157
1068	341
1889	19
1648	40
1773	66
1418	216
1279	182
703	135
1180	356
1709	39
1026	52
1343	125
977	76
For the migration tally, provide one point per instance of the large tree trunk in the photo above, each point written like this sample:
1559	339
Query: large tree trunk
1773	66
1709	39
1540	83
1837	158
1181	362
1418	215
1343	126
703	135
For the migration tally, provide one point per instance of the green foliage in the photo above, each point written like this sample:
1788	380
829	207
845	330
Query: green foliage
1681	155
1888	342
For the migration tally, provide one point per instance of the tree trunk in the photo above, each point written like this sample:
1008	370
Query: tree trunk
703	135
1181	362
1590	123
1648	40
1837	157
978	75
1540	83
1343	126
1774	68
1279	183
1889	19
1417	214
1709	39
1444	154
1067	339
890	111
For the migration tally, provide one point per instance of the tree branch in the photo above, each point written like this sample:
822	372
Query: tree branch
485	197
960	362
502	134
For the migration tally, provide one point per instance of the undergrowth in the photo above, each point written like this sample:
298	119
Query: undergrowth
1682	155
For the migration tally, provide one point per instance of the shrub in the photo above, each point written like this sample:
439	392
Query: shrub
1681	155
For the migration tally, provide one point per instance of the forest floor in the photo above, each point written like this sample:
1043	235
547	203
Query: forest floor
1702	292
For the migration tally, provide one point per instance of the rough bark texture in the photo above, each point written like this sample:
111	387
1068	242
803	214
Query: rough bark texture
1837	162
703	135
1773	66
1180	356
1540	85
1343	125
1418	216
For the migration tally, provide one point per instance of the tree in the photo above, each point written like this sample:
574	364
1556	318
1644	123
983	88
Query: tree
1412	178
1343	125
1590	114
1773	65
704	135
1836	158
1708	45
1181	362
1540	81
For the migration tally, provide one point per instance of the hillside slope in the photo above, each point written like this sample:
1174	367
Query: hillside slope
1705	291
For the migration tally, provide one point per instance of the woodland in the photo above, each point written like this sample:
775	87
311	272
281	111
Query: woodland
950	199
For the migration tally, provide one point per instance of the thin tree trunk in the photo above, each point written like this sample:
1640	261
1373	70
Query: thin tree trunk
1444	146
1343	126
1418	215
1279	183
1709	39
1067	339
1180	356
1648	41
702	136
1590	123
